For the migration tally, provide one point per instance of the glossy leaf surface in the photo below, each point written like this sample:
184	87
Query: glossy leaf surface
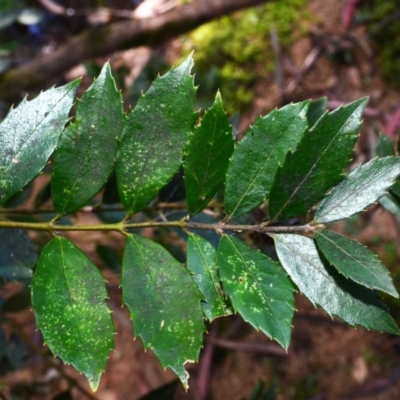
29	135
201	261
164	303
85	155
156	131
207	157
358	190
259	288
317	164
316	110
17	254
257	156
324	286
355	261
68	297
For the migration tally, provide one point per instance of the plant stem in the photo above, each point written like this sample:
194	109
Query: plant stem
182	224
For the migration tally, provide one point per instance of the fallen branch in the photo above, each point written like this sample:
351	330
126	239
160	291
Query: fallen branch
104	40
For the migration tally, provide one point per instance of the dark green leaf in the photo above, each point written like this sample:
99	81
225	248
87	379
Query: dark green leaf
29	135
68	297
201	261
259	288
390	203
355	261
155	134
164	303
207	157
324	286
17	254
358	190
395	189
385	146
257	156
317	164
85	155
316	110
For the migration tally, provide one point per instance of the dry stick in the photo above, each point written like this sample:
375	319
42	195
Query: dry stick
72	381
308	63
106	39
257	348
203	382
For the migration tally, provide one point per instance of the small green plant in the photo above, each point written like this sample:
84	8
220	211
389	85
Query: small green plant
290	163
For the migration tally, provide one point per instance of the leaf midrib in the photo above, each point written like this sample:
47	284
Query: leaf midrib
312	168
261	167
278	320
353	193
215	285
355	260
32	134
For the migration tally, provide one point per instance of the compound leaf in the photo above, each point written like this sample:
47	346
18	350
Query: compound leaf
68	297
202	263
324	286
259	288
164	303
156	131
29	135
85	155
17	254
317	164
207	157
257	156
358	190
355	261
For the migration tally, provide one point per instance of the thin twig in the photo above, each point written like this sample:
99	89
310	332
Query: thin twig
271	350
122	226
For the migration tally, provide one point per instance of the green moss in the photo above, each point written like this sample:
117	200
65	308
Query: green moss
385	33
238	49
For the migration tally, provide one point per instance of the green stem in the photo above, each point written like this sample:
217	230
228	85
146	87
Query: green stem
182	224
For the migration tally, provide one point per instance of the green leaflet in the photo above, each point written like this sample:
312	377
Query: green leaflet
164	303
207	156
358	190
316	110
317	164
257	156
355	261
390	203
29	135
17	255
202	263
259	288
85	155
156	131
324	286
68	297
384	148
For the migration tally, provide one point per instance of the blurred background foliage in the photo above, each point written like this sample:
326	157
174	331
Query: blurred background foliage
233	53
